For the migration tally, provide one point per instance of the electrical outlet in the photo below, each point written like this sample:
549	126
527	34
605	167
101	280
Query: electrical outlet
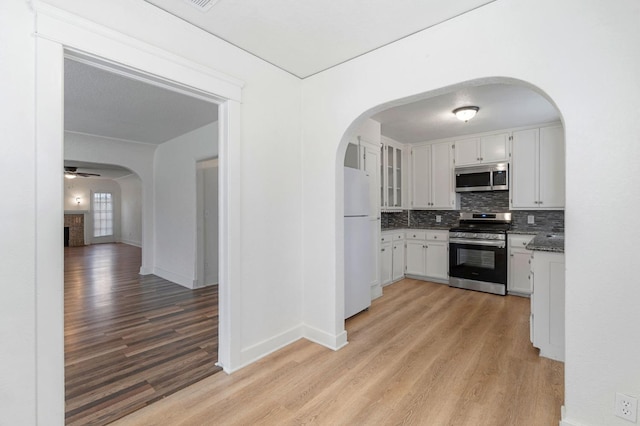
438	218
531	219
626	407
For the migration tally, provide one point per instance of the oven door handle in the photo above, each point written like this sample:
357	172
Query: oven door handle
488	243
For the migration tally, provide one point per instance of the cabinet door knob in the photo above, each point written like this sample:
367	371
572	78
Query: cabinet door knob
511	255
524	243
382	250
435	237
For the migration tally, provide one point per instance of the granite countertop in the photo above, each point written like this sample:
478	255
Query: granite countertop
427	228
543	241
546	241
524	231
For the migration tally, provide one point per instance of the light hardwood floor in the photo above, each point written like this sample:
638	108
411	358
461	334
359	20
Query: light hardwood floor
129	339
424	354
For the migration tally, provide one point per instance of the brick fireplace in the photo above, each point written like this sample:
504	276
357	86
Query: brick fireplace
75	224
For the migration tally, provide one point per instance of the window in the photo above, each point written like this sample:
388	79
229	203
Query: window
102	214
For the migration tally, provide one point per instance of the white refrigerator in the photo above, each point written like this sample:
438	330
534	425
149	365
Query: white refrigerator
358	253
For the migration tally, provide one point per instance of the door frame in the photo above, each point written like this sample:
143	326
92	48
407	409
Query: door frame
59	34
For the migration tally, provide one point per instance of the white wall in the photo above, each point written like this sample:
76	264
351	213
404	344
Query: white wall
84	189
585	57
17	245
175	198
263	178
130	210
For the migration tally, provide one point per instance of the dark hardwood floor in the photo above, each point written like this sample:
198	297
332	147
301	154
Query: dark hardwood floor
130	340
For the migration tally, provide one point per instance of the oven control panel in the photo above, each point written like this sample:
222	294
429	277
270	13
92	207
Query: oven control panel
478	235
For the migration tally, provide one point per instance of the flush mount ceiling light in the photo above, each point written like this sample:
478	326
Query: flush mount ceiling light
466	113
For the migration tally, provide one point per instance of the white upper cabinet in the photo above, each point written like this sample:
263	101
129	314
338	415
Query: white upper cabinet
370	163
524	169
442	190
421	176
480	150
467	151
537	169
432	177
392	169
552	166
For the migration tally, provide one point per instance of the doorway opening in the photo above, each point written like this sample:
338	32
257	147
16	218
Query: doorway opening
420	144
416	146
131	339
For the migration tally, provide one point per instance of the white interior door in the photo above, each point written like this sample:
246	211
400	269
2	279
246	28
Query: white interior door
207	222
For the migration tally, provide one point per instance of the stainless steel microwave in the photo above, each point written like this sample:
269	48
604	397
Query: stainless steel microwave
489	177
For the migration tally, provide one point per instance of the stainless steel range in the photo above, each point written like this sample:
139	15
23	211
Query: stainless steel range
478	252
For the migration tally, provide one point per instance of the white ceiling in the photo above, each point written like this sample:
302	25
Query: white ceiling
103	103
305	37
501	106
106	171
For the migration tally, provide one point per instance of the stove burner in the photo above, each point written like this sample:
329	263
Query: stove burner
481	227
483	222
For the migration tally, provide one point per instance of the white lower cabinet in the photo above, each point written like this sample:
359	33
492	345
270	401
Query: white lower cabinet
416	264
547	303
386	262
391	257
427	255
518	281
437	261
398	260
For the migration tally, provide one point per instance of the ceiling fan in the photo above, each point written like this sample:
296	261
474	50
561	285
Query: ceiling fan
72	173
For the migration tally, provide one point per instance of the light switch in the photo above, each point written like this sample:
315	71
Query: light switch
438	218
530	219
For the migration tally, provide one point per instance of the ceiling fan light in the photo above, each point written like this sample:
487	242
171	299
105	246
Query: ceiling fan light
466	113
69	176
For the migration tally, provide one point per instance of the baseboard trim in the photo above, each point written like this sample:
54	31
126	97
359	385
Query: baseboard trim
430	279
132	243
567	422
333	342
196	284
376	291
173	277
260	350
146	270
